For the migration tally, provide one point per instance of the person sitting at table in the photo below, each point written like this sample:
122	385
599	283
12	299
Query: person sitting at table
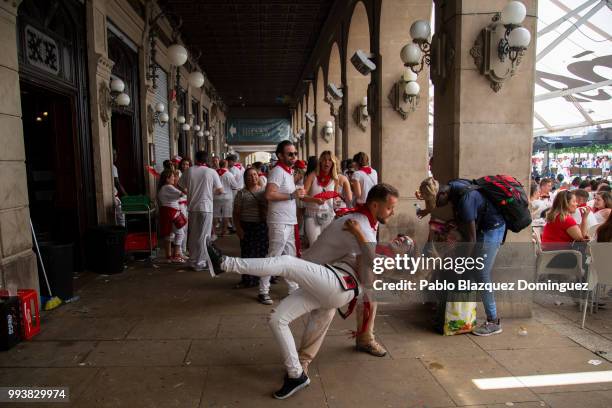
582	197
602	206
561	229
604	231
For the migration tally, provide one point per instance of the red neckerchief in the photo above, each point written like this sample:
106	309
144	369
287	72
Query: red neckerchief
366	169
581	205
238	166
260	174
323	180
202	165
221	172
363	209
285	167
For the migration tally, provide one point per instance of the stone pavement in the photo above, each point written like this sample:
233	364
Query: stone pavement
170	337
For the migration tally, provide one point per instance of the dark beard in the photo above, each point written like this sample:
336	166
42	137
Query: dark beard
381	221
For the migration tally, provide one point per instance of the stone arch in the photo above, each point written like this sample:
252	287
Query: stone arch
358	138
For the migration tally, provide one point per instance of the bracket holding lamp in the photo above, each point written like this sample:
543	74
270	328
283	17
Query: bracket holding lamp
361	116
404	95
156	116
112	96
500	46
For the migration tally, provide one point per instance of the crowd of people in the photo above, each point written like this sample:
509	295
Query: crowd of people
314	224
566	165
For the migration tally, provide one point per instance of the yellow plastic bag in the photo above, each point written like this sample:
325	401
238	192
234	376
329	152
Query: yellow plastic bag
459	318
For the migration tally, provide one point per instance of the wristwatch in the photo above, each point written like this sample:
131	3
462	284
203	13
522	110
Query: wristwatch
292	196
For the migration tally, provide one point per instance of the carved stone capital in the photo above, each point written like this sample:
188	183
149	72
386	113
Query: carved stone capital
104	66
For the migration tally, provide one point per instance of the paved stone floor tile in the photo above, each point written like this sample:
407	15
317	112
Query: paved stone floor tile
381	383
139	353
590	399
76	379
177	327
252	326
234	352
553	361
456	374
46	354
86	328
145	387
423	344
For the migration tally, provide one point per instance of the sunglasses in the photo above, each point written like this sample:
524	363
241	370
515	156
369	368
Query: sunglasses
291	154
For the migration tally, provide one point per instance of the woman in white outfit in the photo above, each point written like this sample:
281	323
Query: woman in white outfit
327	177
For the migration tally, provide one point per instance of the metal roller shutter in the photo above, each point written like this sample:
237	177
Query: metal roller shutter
161	135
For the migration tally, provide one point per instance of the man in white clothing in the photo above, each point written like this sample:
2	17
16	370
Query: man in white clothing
223	204
201	184
282	212
323	288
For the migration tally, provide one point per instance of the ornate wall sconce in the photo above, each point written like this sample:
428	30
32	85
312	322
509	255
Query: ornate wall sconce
437	54
328	131
156	116
361	114
500	46
112	96
310	118
404	95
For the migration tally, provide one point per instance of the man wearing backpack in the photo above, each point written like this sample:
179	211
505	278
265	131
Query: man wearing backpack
481	224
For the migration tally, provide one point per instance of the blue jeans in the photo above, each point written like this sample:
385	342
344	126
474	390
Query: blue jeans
488	243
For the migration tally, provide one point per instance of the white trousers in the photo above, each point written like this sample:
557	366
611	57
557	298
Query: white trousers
313	229
319	294
177	236
281	241
200	224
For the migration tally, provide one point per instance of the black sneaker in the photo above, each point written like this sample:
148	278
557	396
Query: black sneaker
216	257
291	386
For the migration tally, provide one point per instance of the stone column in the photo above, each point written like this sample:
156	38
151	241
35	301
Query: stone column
403	143
480	130
17	261
99	70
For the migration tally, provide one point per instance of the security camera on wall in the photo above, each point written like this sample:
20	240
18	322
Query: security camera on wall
363	62
334	91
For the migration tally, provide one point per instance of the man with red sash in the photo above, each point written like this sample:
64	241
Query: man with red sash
324	287
281	194
363	179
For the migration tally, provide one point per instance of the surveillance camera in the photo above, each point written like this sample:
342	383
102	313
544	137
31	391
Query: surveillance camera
310	117
334	91
363	62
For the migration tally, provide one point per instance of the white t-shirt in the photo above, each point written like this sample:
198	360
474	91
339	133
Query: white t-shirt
367	181
169	196
282	212
336	244
591	219
238	175
200	182
229	183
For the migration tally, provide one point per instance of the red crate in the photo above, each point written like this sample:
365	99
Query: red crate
139	241
29	311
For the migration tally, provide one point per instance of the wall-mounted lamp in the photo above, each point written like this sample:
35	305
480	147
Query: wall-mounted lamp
156	116
200	134
196	128
209	137
112	96
177	54
500	46
186	127
328	131
361	114
310	117
404	95
437	54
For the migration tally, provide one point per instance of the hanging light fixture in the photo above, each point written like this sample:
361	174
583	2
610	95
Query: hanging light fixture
196	79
